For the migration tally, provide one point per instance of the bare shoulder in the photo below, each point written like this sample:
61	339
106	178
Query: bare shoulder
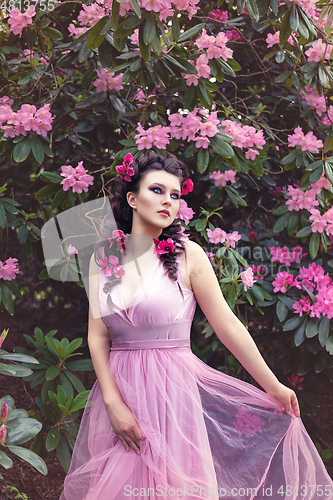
194	252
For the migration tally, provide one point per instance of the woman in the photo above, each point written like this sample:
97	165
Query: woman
159	422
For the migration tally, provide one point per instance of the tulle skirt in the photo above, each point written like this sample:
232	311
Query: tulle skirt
207	435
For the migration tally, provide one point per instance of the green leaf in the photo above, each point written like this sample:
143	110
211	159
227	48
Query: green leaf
316	174
292	222
31	457
281	223
314	245
252	8
22	429
144	49
149	30
81	365
22	233
79	401
136	8
205	97
63	453
257	293
305	231
203	160
5	461
52	33
323	330
281	311
181	64
282	77
299	335
75	381
52	372
127	27
22	150
191	32
221	147
175	27
294	19
311	329
115	14
52	439
95	39
37	149
50	177
7	300
285	29
281	210
46	192
292	323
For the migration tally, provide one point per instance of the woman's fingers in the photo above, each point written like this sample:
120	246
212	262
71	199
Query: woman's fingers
294	402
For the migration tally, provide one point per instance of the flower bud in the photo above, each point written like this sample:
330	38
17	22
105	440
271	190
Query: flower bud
4	413
3	434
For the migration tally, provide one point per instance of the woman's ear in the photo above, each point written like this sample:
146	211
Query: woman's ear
131	199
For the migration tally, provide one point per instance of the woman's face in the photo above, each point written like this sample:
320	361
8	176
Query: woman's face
159	190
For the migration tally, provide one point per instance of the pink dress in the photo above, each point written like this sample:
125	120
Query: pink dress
207	435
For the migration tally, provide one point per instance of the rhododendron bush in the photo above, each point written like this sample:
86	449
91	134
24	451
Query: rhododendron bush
239	90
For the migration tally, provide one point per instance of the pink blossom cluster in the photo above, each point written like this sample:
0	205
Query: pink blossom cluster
24	120
220	236
319	51
72	250
120	238
274	39
216	46
19	21
314	279
203	68
157	136
8	269
221	178
248	278
232	35
90	14
308	142
76	178
283	282
295	380
106	81
318	102
322	222
184	213
190	127
286	256
245	136
246	423
219	15
307	198
111	267
259	271
88	17
30	55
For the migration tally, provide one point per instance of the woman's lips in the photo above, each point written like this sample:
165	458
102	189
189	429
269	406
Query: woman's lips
164	214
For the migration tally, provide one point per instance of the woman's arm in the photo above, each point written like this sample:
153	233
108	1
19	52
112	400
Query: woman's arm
229	329
121	417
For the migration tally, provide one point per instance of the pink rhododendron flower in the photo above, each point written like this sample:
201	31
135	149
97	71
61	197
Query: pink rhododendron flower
8	269
283	281
295	380
317	50
308	142
244	136
248	278
216	46
26	119
76	178
220	236
106	81
187	186
184	213
286	256
221	178
251	154
19	21
157	136
4	413
3	433
120	238
232	35
318	225
220	15
274	39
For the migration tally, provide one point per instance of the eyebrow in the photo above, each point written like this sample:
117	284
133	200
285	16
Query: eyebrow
162	185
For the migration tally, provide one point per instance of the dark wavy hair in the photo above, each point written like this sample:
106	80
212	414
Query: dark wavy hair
123	213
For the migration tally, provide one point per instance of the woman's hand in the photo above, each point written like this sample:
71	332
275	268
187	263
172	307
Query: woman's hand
287	397
125	426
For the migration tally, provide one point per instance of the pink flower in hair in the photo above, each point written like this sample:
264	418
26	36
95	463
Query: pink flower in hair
164	246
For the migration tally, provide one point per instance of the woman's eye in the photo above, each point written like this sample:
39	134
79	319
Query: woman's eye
174	194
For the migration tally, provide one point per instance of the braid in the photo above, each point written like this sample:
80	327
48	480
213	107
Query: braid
123	213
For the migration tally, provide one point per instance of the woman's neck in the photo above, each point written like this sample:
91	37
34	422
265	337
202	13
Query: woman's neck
138	245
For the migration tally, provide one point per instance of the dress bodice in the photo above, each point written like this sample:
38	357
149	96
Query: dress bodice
161	308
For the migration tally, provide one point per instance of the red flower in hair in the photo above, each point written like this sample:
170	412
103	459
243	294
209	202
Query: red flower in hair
125	170
187	186
164	246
